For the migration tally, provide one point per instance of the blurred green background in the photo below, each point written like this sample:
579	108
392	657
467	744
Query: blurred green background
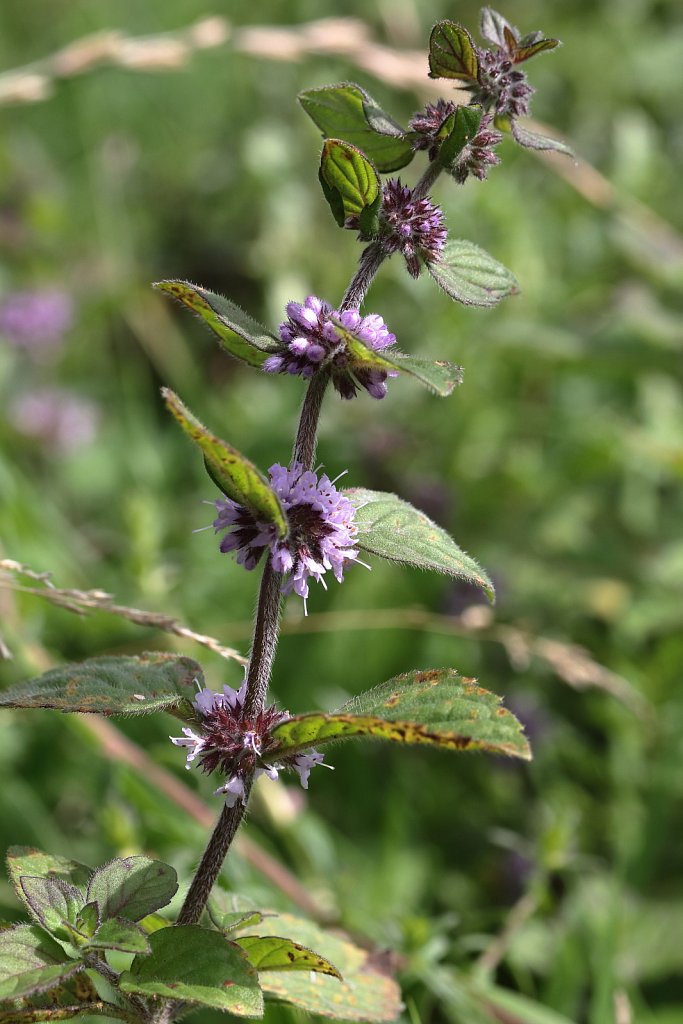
557	464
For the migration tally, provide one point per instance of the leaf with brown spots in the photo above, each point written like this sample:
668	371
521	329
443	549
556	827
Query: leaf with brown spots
232	472
437	707
274	953
237	332
197	966
155	681
365	993
396	530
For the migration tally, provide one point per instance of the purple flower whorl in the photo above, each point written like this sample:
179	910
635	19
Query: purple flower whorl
235	746
321	530
413	227
310	339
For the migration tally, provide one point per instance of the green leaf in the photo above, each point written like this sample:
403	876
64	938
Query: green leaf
350	181
153	922
117	933
437	707
494	28
469	275
236	476
88	920
52	901
462	126
452	53
274	953
132	887
198	966
440	377
26	860
346	111
394	529
111	686
532	140
237	332
229	911
31	961
367	992
524	50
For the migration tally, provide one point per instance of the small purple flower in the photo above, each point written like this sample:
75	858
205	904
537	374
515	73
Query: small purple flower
427	125
413	227
321	532
477	156
500	85
310	338
61	420
234	745
36	320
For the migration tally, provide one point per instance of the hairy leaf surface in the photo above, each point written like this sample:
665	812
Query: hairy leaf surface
155	681
347	112
198	966
471	276
396	530
238	333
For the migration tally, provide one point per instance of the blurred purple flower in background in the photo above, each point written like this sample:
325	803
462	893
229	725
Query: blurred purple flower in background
37	319
62	420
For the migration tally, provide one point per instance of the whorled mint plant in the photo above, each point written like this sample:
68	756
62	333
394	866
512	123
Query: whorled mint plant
297	525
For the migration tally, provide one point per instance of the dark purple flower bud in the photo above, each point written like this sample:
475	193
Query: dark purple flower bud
321	532
36	320
427	124
413	227
477	156
310	338
501	86
235	745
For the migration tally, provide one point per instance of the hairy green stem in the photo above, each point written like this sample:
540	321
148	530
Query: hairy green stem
98	963
212	861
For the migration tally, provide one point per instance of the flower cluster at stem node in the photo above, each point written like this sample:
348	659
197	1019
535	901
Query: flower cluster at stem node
237	746
321	530
311	338
413	227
